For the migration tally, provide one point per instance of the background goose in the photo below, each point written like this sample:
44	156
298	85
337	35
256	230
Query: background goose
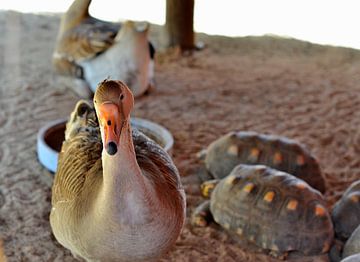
127	59
82	37
117	195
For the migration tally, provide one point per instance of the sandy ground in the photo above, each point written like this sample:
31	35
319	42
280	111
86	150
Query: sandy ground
280	86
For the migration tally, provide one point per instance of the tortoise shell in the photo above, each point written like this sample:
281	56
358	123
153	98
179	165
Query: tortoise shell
274	151
272	209
352	258
352	245
346	212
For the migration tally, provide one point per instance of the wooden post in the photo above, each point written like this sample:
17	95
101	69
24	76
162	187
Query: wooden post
179	23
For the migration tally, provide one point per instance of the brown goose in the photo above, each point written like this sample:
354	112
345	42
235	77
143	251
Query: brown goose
117	195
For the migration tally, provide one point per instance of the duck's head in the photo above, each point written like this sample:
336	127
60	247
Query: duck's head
113	102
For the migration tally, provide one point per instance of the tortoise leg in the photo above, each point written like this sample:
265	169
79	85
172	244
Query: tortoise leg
336	250
208	186
202	216
279	255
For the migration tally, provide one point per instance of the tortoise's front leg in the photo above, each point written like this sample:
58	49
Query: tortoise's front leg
202	216
208	186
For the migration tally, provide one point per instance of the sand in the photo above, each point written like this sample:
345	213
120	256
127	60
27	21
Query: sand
306	92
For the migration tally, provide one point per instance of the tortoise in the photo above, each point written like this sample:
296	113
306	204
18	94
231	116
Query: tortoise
245	147
346	219
346	212
352	258
352	245
274	210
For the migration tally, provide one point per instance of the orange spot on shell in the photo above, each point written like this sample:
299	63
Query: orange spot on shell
320	210
248	187
269	196
326	248
292	205
254	153
300	160
239	231
277	158
233	150
354	198
301	185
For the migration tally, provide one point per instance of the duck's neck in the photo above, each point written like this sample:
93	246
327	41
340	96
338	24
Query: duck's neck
123	183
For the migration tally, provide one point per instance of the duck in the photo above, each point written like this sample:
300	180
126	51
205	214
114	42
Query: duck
82	37
116	195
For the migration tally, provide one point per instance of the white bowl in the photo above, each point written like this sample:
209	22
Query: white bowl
51	136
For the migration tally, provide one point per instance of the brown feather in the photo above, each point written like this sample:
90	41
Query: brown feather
82	150
81	36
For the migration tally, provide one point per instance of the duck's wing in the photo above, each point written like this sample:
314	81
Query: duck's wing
82	42
80	153
155	162
86	40
81	37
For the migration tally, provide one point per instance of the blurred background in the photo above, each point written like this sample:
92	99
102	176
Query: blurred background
324	22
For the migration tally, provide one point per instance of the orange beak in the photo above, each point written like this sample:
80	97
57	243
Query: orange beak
110	121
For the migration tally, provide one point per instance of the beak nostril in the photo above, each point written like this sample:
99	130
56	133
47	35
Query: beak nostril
111	148
109	122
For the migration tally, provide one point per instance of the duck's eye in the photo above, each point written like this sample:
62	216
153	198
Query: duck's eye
121	96
109	122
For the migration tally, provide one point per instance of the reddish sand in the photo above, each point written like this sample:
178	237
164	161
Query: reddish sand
307	92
